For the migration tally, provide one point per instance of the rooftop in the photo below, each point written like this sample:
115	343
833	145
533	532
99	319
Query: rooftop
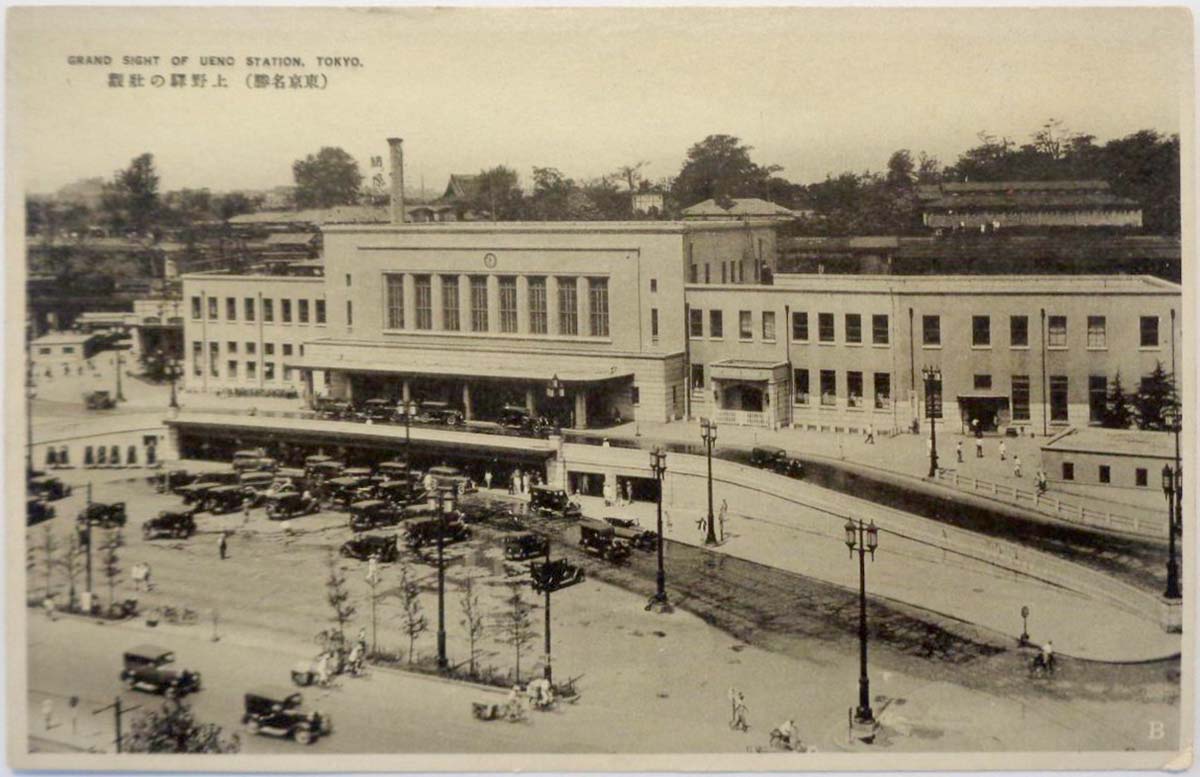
63	338
977	284
605	227
739	207
1126	442
342	214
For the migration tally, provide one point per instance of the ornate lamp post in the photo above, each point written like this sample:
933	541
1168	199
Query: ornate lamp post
708	433
933	386
658	465
1169	486
172	369
443	500
864	538
556	391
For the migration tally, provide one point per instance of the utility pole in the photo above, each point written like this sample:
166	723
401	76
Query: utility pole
118	711
658	465
548	675
120	397
708	433
88	539
865	539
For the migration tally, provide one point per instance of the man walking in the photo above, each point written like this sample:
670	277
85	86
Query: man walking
978	447
958	451
487	479
222	545
1017	465
1003	451
739	713
870	435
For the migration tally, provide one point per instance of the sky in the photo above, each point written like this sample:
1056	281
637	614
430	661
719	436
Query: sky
584	90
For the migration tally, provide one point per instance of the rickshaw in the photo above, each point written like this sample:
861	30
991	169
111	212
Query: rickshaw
546	500
223	499
600	540
526	545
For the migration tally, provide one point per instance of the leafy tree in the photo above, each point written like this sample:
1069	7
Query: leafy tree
499	194
516	625
110	561
325	179
1155	402
1117	412
415	622
233	204
472	620
49	553
131	201
632	174
174	729
338	597
551	194
719	167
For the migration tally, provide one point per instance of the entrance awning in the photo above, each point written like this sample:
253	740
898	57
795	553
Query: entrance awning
986	395
413	367
747	370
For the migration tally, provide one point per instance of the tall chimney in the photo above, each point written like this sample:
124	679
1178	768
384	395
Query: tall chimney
396	212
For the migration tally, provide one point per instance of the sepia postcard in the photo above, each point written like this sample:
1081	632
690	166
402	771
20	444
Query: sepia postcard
611	389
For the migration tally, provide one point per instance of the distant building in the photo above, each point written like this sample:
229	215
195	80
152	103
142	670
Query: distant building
648	202
1120	458
456	204
739	208
1000	204
61	349
279	198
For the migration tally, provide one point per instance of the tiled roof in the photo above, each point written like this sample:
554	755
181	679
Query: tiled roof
740	207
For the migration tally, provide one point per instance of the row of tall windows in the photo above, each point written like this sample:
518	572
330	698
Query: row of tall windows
307	311
1056	331
234	367
879	398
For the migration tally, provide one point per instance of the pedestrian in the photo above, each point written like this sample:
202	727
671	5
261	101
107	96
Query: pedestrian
1041	481
608	494
222	545
48	713
870	434
245	511
1017	465
733	696
721	518
739	713
975	427
525	483
146	577
978	448
1003	451
487	479
958	451
628	492
48	604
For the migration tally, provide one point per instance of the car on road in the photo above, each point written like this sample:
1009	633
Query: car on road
334	409
259	464
438	413
632	532
223	499
343	491
445	476
424	532
325	469
546	500
287	506
776	460
374	513
393	470
601	540
170	523
377	410
48	487
526	545
195	493
99	400
370	546
554	575
148	668
37	510
279	711
398	492
102	514
174	479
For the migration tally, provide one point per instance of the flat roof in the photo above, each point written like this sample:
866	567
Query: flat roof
433	365
552	227
978	284
1120	442
63	338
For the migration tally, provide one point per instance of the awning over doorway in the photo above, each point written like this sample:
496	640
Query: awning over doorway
747	370
413	364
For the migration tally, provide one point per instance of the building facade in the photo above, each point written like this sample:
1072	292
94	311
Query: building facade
1001	204
1114	458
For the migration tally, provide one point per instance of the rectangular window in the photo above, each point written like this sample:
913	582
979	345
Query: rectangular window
1020	397
251	370
196	307
853	328
212	308
538	324
423	293
653	285
654	323
287	349
508	303
268	306
251	348
697	376
214	358
1097	336
1068	470
768	325
828	388
879	329
722	272
695	323
825	327
302	311
931	330
707	273
450	316
231	308
854	388
800	389
1018	331
1149	332
598	306
883	390
287	372
1058	398
568	307
269	370
231	369
983	382
479	303
231	346
349	314
197	358
635	396
320	311
248	308
1097	398
285	311
394	286
716	324
693	274
347	280
268	349
1058	332
1140	477
981	331
1105	473
745	325
800	327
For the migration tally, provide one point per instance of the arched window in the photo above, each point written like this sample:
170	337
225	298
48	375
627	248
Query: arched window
89	457
101	455
114	457
131	455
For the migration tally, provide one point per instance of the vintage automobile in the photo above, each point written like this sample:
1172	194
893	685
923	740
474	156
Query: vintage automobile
519	419
256	478
173	480
776	460
546	500
279	712
324	470
247	454
398	492
104	515
342	491
554	575
438	413
259	464
377	410
170	523
393	470
601	540
369	546
223	478
48	487
450	477
223	499
287	506
518	547
99	400
357	472
37	510
425	531
147	669
632	532
333	409
373	513
196	493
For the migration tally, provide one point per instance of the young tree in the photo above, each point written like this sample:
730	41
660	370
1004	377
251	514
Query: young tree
110	561
174	729
1155	400
415	622
516	624
338	597
49	551
472	619
329	177
1117	412
72	561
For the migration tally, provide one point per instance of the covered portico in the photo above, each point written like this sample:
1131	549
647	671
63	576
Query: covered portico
750	393
989	407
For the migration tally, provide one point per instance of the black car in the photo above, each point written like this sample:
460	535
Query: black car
177	525
279	712
146	669
377	410
293	505
175	479
195	493
374	513
334	409
545	500
601	540
37	510
224	499
632	532
398	492
438	413
425	532
554	575
518	547
102	514
343	491
369	546
48	487
777	461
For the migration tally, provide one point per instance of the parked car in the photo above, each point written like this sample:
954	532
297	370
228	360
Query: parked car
518	547
394	470
147	669
451	477
398	492
333	409
48	487
104	515
223	499
37	510
287	506
373	513
776	460
377	410
424	532
600	539
169	523
247	454
279	712
174	479
369	546
99	400
438	413
342	491
258	464
554	575
196	493
546	500
324	470
222	478
632	532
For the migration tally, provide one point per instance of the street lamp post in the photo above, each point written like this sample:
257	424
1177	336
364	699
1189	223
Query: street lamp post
1024	640
443	501
409	406
555	390
933	382
708	432
658	465
120	397
864	538
1169	486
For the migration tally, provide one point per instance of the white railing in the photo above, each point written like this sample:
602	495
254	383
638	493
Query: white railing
741	418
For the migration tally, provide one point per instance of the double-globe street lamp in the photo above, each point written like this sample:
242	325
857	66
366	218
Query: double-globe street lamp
1172	485
933	387
864	538
658	465
172	370
708	433
443	501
